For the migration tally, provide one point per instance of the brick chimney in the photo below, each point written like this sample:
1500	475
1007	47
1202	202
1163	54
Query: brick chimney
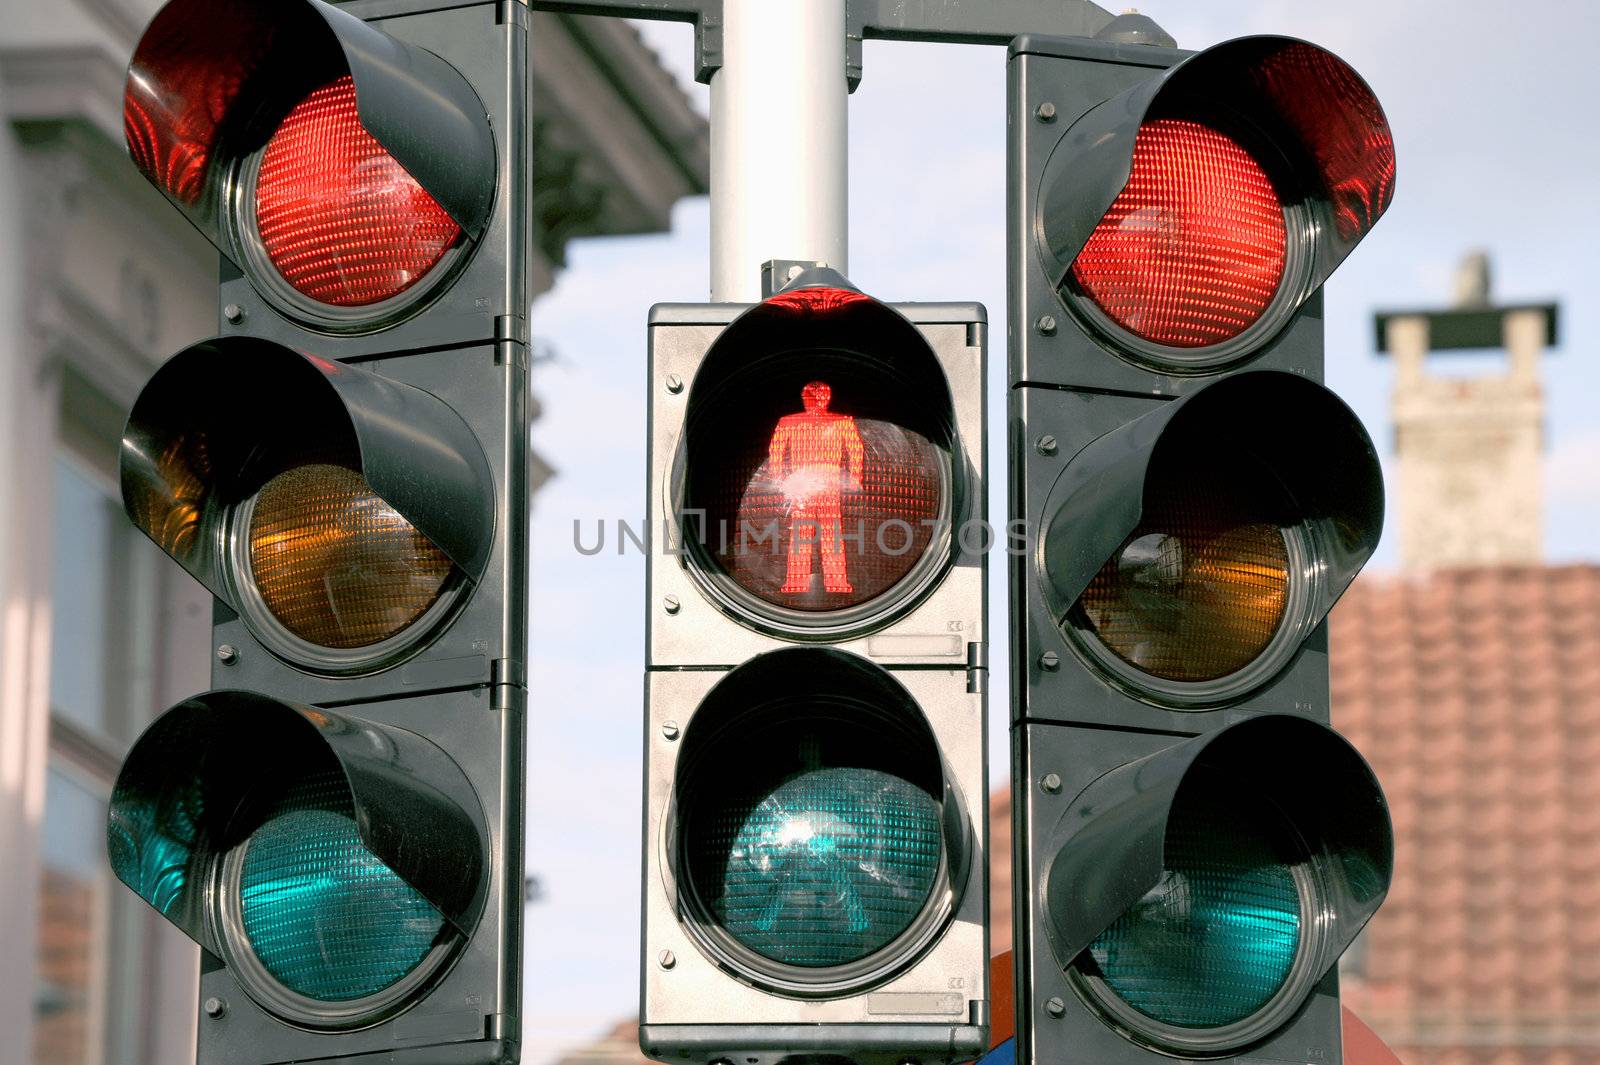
1469	449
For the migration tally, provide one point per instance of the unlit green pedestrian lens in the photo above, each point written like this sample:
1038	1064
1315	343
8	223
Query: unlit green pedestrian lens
820	869
1216	938
322	913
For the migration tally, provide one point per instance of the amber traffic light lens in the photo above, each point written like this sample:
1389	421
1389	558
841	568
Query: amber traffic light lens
341	220
336	565
1202	586
1193	249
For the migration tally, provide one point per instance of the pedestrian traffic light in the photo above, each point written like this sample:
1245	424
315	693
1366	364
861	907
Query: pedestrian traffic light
815	843
339	823
1195	847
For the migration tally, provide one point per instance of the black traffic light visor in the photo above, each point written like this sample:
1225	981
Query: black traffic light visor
820	311
1109	848
1312	445
223	416
1309	104
211	79
198	780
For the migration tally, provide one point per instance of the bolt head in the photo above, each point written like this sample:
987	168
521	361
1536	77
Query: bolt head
227	654
1046	112
215	1007
674	383
1046	325
669	729
671	604
667	959
1046	445
233	313
1050	661
1056	1007
1051	783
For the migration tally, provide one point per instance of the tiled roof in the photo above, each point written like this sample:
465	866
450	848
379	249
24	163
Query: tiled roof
1475	695
1000	872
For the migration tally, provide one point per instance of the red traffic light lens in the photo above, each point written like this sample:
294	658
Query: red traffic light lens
824	499
336	565
1192	251
340	219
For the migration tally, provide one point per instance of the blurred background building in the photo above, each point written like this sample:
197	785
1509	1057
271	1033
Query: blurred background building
99	282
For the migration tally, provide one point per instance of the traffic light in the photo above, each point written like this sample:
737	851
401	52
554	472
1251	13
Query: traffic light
338	824
814	854
1194	847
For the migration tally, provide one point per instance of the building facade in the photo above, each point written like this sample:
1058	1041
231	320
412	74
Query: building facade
100	281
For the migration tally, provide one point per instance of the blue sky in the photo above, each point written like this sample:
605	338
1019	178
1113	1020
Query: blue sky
1493	111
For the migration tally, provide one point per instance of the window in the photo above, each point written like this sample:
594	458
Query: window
103	965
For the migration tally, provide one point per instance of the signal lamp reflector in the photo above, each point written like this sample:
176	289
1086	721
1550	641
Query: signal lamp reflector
1193	250
1215	942
1203	585
339	218
821	866
334	564
326	918
826	864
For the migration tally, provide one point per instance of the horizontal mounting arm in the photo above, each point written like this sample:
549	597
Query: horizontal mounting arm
995	22
705	15
965	22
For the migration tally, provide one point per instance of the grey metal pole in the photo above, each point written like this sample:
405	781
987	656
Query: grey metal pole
778	141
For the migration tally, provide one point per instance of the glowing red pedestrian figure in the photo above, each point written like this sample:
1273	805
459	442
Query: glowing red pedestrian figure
814	456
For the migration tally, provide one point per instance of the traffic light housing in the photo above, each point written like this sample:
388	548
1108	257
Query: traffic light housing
339	823
1194	847
814	853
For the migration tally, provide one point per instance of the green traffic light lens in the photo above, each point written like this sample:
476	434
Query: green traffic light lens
322	913
1216	939
822	868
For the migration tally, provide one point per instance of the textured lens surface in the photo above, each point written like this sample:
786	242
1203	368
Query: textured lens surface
1201	587
814	506
1215	939
1191	252
820	868
322	913
341	219
336	565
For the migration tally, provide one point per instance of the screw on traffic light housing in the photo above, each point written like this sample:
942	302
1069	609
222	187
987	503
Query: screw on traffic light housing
814	719
1210	847
339	828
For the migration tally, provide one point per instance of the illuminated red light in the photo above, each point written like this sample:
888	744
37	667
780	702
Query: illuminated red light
816	509
814	456
817	300
340	218
1192	251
